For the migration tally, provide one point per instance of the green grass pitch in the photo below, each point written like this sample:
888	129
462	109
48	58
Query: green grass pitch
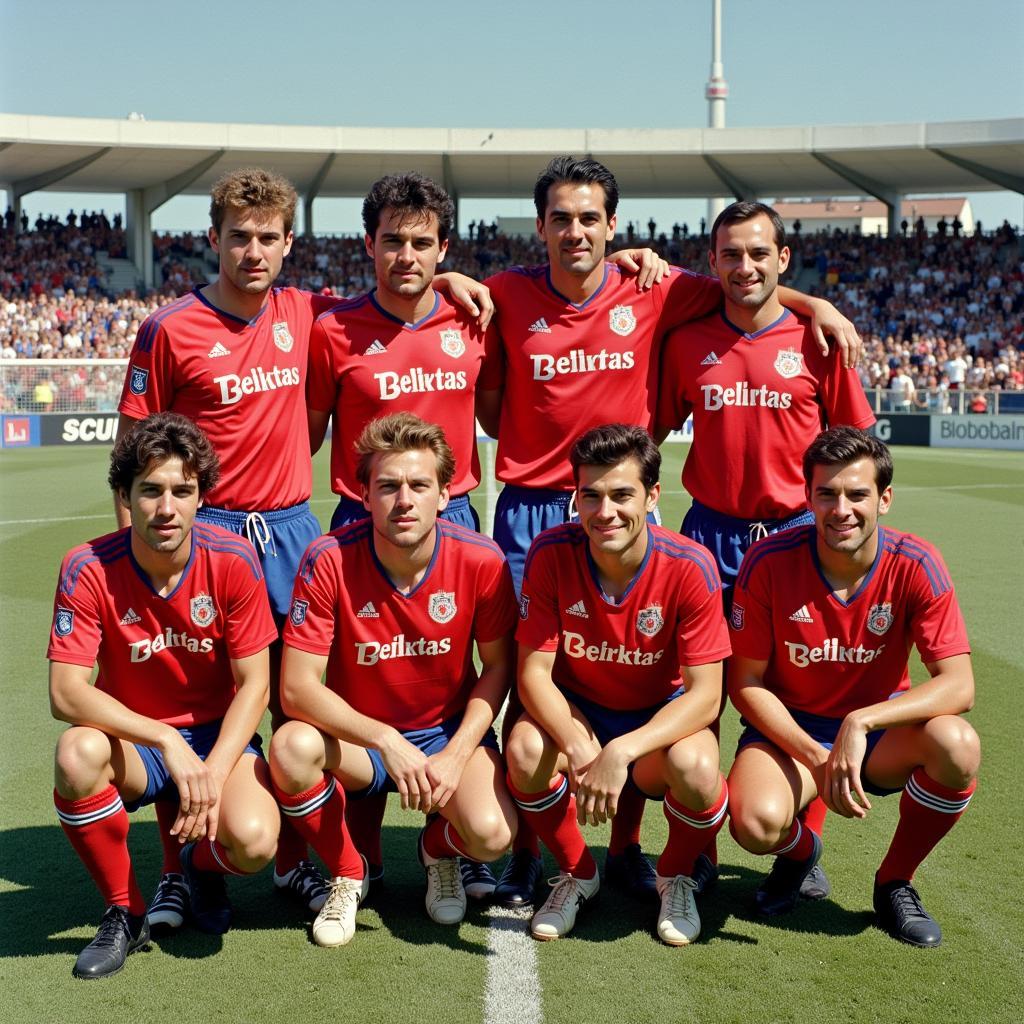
826	962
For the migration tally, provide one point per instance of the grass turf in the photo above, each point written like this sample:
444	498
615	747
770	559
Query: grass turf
825	962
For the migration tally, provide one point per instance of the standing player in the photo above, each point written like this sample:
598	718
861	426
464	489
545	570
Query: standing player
232	356
176	617
758	386
581	341
823	620
391	608
621	642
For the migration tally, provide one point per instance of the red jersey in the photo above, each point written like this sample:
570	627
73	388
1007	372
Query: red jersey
403	659
570	368
827	656
365	363
168	658
758	400
242	382
623	655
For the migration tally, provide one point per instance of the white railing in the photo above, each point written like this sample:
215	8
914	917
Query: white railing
941	401
61	385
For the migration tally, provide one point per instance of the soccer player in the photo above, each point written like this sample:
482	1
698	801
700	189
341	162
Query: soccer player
391	607
581	342
175	615
232	356
822	623
621	642
758	386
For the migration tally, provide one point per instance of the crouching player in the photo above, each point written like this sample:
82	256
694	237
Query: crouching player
822	625
391	606
175	614
621	641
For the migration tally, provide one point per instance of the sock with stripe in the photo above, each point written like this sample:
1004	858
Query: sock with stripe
441	840
97	827
796	844
318	816
689	831
552	814
210	855
166	816
928	810
628	817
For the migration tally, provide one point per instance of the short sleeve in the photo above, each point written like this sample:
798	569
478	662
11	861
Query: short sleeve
76	630
321	383
496	604
539	624
250	624
310	625
149	383
750	621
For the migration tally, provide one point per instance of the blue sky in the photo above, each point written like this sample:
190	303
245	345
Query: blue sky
537	64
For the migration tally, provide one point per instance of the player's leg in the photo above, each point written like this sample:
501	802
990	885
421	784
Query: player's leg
93	774
478	823
936	765
540	788
308	779
767	791
695	796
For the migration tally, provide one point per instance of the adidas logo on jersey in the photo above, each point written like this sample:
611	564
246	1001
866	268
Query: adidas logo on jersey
367	612
801	615
579	609
131	617
540	326
218	350
375	349
711	360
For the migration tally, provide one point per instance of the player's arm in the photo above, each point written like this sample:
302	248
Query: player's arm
485	702
948	691
681	412
598	795
317	422
825	320
648	266
473	296
241	720
488	409
550	710
304	697
121	514
73	699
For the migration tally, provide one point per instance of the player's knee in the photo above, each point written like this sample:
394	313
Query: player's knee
757	829
82	755
489	837
695	770
253	842
296	753
524	753
955	750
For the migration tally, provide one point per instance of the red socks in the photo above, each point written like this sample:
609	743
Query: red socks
689	832
797	844
552	815
628	817
441	840
318	816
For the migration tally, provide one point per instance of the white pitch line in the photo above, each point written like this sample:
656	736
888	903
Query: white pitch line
513	993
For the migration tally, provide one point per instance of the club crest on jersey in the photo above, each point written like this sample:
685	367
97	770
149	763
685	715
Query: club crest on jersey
202	610
283	337
524	606
63	621
880	618
441	606
737	615
452	343
650	620
297	615
788	363
138	381
622	321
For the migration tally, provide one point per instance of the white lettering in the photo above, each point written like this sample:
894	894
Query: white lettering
233	387
143	650
546	367
418	381
831	651
575	646
743	395
398	647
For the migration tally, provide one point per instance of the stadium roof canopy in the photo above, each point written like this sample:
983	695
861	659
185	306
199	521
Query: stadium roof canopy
152	161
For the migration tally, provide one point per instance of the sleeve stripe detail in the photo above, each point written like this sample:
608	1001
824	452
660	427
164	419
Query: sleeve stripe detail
328	542
221	547
106	550
787	540
147	333
938	578
468	536
344	305
564	534
672	547
711	580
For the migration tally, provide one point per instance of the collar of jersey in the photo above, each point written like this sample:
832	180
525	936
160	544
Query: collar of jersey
592	566
224	313
585	302
145	578
394	319
864	582
426	576
757	334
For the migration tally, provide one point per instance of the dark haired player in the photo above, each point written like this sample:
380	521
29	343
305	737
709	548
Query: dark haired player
823	620
175	615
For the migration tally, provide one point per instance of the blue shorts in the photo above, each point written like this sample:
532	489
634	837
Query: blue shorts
523	512
201	739
280	539
430	741
729	538
459	511
823	730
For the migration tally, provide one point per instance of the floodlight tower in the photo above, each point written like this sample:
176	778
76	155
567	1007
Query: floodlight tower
716	92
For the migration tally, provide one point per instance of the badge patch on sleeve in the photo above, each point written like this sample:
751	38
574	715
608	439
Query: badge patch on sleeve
737	616
138	380
298	612
64	621
524	607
